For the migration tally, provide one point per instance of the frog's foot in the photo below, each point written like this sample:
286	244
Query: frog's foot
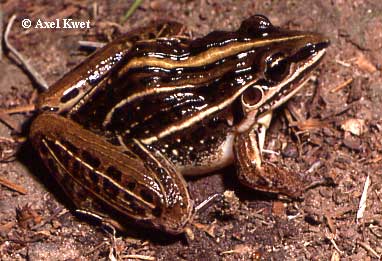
261	175
269	178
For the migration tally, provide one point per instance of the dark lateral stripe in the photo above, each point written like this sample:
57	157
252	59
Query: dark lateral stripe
144	93
199	116
199	78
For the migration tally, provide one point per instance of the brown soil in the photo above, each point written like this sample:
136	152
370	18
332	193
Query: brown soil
343	98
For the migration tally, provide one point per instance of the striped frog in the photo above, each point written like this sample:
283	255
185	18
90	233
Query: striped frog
119	131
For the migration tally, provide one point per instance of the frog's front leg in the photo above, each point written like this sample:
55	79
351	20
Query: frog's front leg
258	174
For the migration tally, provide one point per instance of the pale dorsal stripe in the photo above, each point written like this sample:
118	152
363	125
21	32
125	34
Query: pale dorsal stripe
209	56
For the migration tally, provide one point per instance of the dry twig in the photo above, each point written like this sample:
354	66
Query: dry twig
141	257
20	60
342	85
331	237
91	44
362	202
7	183
370	250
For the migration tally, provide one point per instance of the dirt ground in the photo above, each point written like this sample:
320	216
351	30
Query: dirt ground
335	133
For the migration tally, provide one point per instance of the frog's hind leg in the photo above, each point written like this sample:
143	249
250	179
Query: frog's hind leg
103	179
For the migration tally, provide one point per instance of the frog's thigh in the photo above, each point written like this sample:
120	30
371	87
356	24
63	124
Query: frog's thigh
262	175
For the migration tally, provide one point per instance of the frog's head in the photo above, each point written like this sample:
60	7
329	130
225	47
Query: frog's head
281	63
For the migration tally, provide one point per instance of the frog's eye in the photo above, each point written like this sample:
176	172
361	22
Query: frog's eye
276	68
252	96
